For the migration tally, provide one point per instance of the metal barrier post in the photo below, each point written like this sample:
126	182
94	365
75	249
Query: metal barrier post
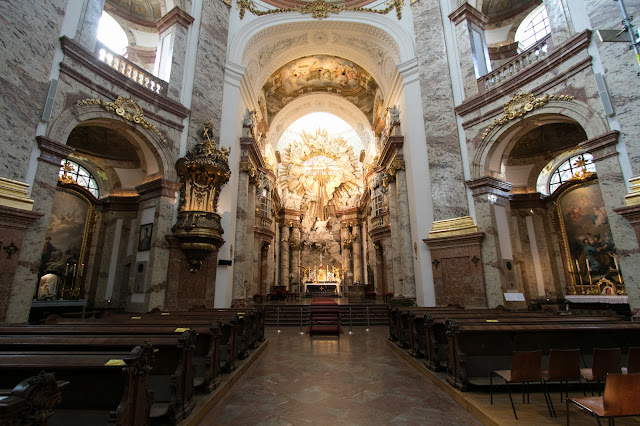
368	319
301	332
278	319
350	322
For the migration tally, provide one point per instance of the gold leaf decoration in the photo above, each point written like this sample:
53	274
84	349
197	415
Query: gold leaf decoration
319	9
126	108
520	105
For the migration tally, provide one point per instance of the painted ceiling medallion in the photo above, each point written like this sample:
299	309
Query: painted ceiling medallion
520	105
319	9
142	11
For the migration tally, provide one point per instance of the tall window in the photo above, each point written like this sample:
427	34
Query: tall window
265	204
573	167
377	205
71	172
111	34
534	28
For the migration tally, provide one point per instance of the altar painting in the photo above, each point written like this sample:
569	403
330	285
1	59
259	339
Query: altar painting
593	262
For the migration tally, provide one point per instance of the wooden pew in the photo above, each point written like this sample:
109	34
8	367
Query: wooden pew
397	333
31	402
475	349
104	387
170	381
206	354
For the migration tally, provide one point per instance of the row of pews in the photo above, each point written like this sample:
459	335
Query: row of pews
126	369
470	343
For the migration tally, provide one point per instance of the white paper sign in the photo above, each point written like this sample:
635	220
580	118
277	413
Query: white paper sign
514	297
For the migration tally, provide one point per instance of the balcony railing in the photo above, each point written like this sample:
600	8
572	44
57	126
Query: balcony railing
377	221
263	222
524	60
131	70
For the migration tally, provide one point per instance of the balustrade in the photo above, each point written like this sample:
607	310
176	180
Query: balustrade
524	60
131	70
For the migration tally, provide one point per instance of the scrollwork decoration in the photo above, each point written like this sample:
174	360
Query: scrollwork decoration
320	9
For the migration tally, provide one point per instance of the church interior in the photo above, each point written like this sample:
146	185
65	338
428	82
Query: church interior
169	164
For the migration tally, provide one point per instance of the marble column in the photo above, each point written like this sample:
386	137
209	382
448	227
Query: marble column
173	29
357	255
295	254
387	251
252	252
404	221
44	189
560	20
379	276
87	34
446	175
611	181
488	194
473	55
284	256
395	250
239	248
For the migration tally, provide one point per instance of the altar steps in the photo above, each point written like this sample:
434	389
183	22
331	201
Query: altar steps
352	314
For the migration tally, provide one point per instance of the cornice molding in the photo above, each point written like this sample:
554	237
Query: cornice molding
158	188
14	218
603	146
470	14
175	16
489	185
52	152
455	241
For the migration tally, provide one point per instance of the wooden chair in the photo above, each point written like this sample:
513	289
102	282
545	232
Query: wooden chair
605	361
621	398
525	368
633	361
564	366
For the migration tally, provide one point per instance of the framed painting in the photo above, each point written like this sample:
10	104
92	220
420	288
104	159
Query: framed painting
144	241
590	249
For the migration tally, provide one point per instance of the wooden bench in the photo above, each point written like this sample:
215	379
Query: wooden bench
475	349
31	402
171	380
104	387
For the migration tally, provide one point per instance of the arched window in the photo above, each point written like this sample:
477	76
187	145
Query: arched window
573	167
71	172
533	28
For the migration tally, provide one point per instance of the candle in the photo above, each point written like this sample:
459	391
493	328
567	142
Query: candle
74	269
66	270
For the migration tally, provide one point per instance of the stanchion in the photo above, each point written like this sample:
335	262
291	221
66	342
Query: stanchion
367	319
278	319
350	323
301	332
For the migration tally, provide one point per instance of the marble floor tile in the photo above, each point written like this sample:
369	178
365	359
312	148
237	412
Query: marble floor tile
352	380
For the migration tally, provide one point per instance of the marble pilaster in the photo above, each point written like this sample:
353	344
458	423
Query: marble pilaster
443	148
44	189
252	247
559	21
357	255
87	34
379	272
345	242
468	20
13	225
387	250
404	221
612	184
295	254
396	245
284	255
239	248
208	84
488	191
173	29
159	194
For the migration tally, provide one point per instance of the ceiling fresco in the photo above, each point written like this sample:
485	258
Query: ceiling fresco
503	9
328	74
548	139
145	12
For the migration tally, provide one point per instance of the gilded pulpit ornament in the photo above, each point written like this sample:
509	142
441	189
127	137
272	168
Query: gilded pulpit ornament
126	108
319	9
520	105
203	172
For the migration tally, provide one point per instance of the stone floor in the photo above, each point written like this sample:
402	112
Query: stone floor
354	379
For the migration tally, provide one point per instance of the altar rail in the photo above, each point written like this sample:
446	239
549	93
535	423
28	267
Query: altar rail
535	53
131	70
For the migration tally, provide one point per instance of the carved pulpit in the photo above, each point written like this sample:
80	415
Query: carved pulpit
197	234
